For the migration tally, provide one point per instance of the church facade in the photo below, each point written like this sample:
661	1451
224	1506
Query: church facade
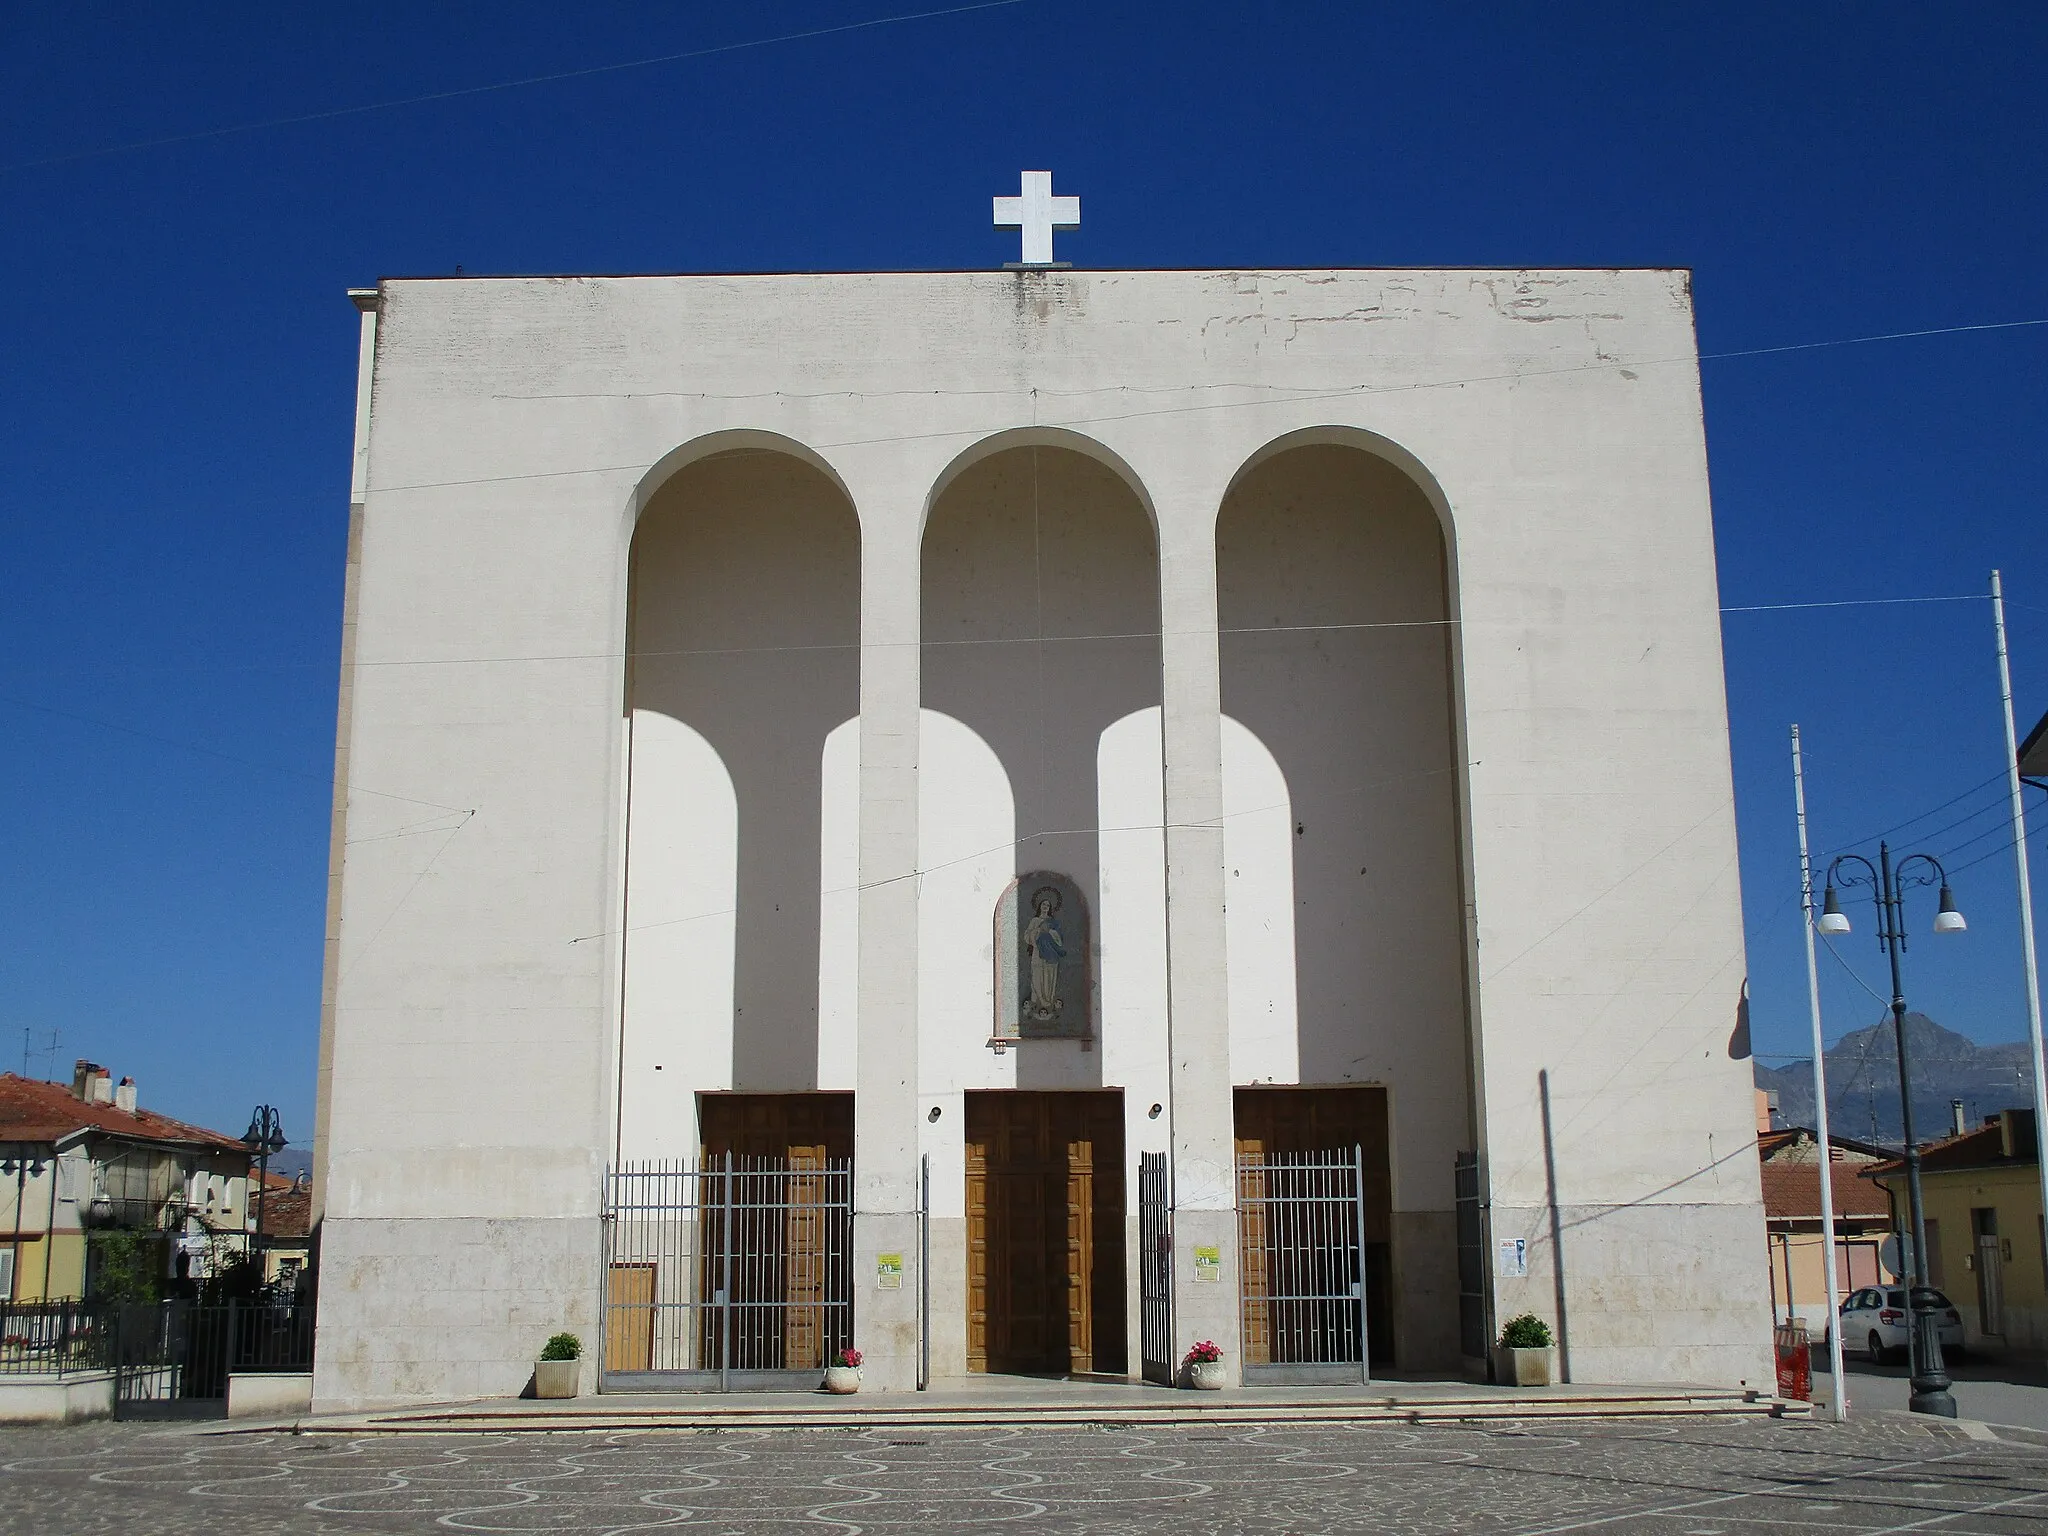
1131	807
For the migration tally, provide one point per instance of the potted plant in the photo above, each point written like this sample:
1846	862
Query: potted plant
843	1374
556	1372
1525	1351
1203	1368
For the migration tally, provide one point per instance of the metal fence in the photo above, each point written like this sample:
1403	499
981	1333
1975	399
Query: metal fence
167	1357
1302	1271
735	1273
53	1338
175	1357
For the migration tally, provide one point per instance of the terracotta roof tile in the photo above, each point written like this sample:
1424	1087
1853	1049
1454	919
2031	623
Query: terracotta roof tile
36	1111
1792	1192
289	1214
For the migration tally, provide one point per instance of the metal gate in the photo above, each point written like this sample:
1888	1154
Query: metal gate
734	1274
173	1358
1155	1269
1301	1265
1472	1330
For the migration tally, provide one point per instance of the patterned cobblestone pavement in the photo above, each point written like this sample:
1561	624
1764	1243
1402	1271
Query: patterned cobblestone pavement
1674	1478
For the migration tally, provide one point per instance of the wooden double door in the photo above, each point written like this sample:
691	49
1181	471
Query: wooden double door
776	1226
1045	1232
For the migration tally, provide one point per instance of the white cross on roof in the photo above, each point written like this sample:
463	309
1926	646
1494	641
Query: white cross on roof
1038	213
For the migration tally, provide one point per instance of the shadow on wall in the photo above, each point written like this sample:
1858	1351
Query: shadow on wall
746	628
1041	630
1336	659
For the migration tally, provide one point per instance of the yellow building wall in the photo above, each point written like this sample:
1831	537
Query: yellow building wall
65	1268
1856	1263
2015	1195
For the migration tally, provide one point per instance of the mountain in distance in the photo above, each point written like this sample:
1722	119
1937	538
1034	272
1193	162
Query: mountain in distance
293	1161
1863	1081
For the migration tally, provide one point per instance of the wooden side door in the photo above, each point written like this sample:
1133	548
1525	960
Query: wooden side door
629	1318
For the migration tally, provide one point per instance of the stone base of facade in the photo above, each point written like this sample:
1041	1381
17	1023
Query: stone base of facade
1648	1298
419	1310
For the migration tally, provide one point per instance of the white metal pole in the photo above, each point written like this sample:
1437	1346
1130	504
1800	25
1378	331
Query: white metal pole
2019	851
1840	1394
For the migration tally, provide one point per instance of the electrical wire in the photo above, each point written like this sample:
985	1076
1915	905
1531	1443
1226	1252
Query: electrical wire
499	85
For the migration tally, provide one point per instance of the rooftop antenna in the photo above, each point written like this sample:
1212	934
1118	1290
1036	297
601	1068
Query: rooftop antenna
48	1052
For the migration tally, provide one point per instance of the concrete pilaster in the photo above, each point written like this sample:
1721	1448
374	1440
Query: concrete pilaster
1204	1181
885	1117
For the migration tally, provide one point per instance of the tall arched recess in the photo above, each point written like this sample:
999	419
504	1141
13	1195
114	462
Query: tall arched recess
1041	649
743	655
1334	600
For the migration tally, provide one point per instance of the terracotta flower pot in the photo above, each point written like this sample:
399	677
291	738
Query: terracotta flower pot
1206	1375
556	1378
842	1378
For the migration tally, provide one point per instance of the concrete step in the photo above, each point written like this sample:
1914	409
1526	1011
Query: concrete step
803	1411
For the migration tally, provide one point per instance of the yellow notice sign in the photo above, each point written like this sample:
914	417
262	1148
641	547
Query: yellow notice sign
888	1271
1208	1264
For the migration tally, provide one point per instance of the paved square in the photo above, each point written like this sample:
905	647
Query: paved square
1699	1477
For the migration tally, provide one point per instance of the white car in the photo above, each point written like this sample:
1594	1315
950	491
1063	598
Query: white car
1874	1319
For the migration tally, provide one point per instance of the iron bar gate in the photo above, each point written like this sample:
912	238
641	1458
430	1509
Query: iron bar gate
1472	1330
1155	1269
924	1272
1301	1265
737	1273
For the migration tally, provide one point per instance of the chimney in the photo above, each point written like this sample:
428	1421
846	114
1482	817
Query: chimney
1957	1125
124	1096
102	1086
2006	1139
81	1080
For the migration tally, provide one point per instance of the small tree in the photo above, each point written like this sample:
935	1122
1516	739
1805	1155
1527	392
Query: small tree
562	1346
123	1266
1525	1332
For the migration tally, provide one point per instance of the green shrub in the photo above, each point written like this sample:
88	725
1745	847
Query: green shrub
125	1266
1525	1332
563	1346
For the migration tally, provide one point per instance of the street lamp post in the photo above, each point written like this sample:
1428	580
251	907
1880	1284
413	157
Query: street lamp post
1888	884
264	1137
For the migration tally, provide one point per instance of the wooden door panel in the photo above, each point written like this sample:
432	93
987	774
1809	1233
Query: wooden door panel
779	1258
629	1318
1045	1231
1282	1120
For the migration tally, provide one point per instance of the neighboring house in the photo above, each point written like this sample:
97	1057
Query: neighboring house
1982	1194
287	1214
1791	1182
87	1157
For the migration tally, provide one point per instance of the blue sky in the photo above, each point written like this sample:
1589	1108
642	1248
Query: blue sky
177	370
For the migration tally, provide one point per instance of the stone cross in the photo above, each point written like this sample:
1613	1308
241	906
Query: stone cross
1037	213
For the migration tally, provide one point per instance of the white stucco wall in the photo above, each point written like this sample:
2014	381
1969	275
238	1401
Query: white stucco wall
518	426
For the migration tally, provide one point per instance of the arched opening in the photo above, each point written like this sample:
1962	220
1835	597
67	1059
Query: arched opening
1333	584
1040	583
744	632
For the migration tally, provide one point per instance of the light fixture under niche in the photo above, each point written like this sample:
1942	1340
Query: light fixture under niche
1153	1112
934	1115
